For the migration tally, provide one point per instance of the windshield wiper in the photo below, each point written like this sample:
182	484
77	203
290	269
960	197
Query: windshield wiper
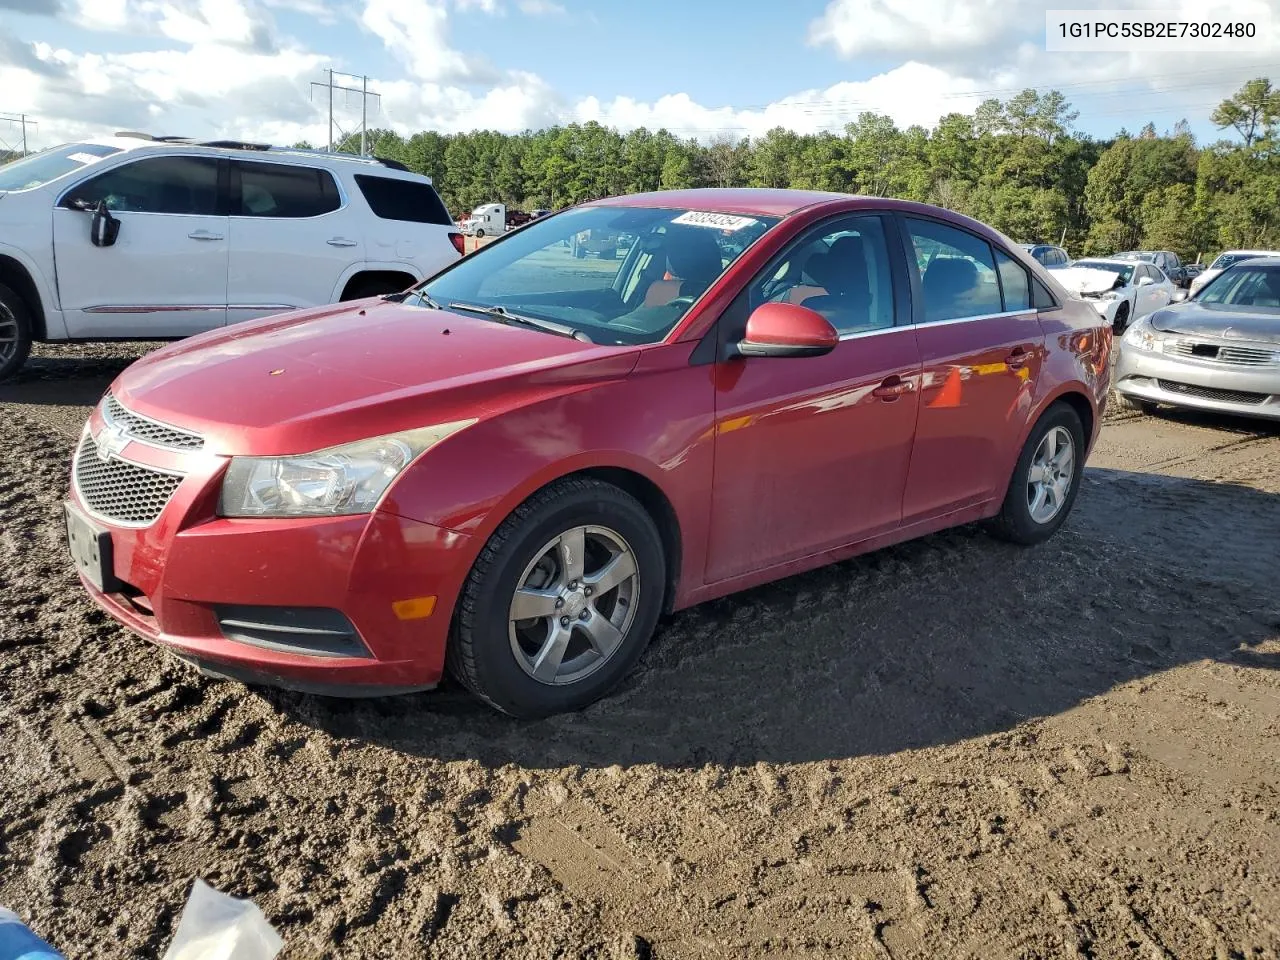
404	295
502	313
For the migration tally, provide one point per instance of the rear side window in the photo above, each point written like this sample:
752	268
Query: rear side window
957	272
1015	281
176	185
280	190
392	199
1041	298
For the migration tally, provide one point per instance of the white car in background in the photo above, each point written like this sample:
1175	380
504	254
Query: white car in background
1120	290
1224	260
146	238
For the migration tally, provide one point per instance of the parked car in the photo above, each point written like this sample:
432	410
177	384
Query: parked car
1120	290
540	212
1224	260
160	238
1166	260
524	464
1047	254
1219	351
603	243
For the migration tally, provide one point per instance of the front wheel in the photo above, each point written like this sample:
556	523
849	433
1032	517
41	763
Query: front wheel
1137	404
1045	480
479	234
561	602
15	332
1122	319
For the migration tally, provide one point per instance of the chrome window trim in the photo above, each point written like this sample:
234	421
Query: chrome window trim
1029	312
184	307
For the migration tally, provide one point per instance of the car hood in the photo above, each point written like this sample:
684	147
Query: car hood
1220	320
1086	279
309	379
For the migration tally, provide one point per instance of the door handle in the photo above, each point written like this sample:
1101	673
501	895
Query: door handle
204	235
892	388
340	242
1018	358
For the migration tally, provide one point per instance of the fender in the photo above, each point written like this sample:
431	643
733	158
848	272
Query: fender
55	327
365	266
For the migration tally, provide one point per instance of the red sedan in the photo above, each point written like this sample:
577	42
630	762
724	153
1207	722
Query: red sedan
515	468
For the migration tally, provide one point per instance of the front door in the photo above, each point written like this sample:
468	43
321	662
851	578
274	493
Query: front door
981	346
812	453
166	274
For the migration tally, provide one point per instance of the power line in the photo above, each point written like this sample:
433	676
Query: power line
21	120
363	90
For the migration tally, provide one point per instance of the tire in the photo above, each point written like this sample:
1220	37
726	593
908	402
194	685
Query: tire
1016	522
1121	321
15	332
479	234
496	657
373	288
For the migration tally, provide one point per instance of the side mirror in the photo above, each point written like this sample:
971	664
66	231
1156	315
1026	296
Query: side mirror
104	228
1180	295
1145	281
787	330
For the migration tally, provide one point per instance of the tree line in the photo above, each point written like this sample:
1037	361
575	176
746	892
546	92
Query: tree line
1017	164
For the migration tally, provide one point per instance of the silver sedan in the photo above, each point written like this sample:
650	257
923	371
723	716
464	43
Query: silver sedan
1217	351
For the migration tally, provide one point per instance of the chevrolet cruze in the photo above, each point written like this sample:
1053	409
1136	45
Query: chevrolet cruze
512	470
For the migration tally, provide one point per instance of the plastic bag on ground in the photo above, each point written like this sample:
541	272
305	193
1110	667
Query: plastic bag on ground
215	926
17	942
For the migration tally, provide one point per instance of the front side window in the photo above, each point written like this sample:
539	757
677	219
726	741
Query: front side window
37	169
284	190
619	275
841	270
174	185
957	272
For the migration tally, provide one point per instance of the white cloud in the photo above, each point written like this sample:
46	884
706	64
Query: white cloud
416	32
488	6
541	8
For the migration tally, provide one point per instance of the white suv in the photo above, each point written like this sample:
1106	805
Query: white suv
139	237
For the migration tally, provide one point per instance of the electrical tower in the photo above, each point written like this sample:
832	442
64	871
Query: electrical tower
13	136
329	86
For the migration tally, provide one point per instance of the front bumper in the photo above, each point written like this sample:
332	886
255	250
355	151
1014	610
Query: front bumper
318	605
1199	384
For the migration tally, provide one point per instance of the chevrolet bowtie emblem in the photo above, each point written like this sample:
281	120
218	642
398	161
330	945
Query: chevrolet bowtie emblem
111	441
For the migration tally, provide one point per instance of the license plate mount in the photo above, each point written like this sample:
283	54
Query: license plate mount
91	550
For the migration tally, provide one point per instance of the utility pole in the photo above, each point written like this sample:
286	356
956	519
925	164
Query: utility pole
363	90
21	120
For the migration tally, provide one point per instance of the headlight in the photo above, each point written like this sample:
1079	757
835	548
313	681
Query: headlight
339	481
1140	334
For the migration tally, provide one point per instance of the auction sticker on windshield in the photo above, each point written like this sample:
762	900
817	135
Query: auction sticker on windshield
716	221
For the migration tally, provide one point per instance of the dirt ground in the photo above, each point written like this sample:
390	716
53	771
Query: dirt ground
952	748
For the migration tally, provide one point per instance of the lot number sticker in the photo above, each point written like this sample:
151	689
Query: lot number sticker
716	221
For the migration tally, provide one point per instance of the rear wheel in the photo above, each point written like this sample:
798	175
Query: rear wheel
561	602
1045	480
15	332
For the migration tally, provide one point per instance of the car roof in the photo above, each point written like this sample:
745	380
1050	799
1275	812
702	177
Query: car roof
1114	260
1261	253
223	148
1270	261
760	201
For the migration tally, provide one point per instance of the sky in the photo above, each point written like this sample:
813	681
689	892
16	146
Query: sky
702	68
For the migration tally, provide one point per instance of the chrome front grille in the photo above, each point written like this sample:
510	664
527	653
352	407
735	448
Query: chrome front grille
1224	353
119	491
147	430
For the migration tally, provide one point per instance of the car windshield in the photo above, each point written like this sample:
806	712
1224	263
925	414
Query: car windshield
1227	259
40	168
1123	272
1245	287
618	275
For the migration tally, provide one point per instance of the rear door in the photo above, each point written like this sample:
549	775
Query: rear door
981	347
812	453
166	274
410	225
290	240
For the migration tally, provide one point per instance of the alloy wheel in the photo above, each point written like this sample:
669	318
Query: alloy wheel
8	334
1051	474
574	604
